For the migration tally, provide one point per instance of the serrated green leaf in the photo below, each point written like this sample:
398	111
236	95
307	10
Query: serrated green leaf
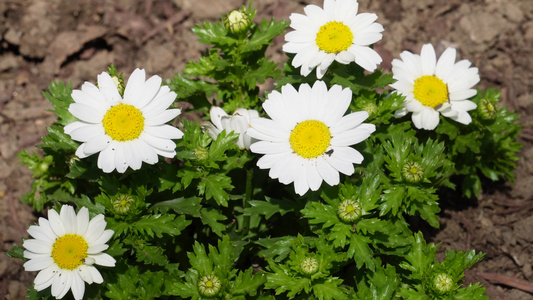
17	252
199	260
151	254
247	283
214	186
361	252
392	200
211	217
271	206
189	206
282	282
263	35
329	289
319	213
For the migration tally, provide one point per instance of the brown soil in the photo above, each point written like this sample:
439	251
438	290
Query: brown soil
74	40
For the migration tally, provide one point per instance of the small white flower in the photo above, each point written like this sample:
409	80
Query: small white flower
239	122
125	130
64	249
431	87
336	32
308	138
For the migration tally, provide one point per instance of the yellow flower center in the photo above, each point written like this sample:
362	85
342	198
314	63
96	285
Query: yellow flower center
349	209
334	37
69	251
430	91
123	122
310	138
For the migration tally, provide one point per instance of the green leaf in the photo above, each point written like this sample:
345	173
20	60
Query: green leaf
210	216
392	200
329	289
150	254
263	35
247	283
271	206
189	206
281	281
199	260
319	213
17	252
421	256
214	186
213	33
152	224
361	252
222	256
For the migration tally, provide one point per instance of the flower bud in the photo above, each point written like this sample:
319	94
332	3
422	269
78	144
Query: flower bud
237	21
486	110
209	285
443	283
119	82
371	109
349	210
412	172
123	203
201	153
309	266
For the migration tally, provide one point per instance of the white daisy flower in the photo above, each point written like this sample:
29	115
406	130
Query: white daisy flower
64	249
125	130
308	138
431	87
336	32
239	122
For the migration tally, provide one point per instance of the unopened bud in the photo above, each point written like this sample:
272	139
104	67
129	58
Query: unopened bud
349	210
487	110
412	172
209	285
309	265
237	21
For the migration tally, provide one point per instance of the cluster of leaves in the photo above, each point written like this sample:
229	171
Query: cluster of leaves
209	225
234	66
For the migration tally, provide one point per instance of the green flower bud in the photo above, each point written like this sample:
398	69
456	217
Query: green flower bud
371	109
487	110
119	82
209	285
200	153
237	21
443	283
412	172
123	203
349	210
309	266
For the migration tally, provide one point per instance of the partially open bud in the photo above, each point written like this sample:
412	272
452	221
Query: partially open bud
309	266
443	283
412	172
349	210
237	21
487	110
209	285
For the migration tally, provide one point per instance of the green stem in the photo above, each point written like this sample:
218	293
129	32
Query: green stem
246	200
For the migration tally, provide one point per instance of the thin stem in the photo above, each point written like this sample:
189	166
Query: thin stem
246	200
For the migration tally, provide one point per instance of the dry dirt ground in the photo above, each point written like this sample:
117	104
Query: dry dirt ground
74	40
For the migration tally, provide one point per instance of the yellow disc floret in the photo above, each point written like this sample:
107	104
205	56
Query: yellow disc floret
310	139
123	122
69	251
430	91
334	37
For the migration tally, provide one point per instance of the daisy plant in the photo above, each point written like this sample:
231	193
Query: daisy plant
311	189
